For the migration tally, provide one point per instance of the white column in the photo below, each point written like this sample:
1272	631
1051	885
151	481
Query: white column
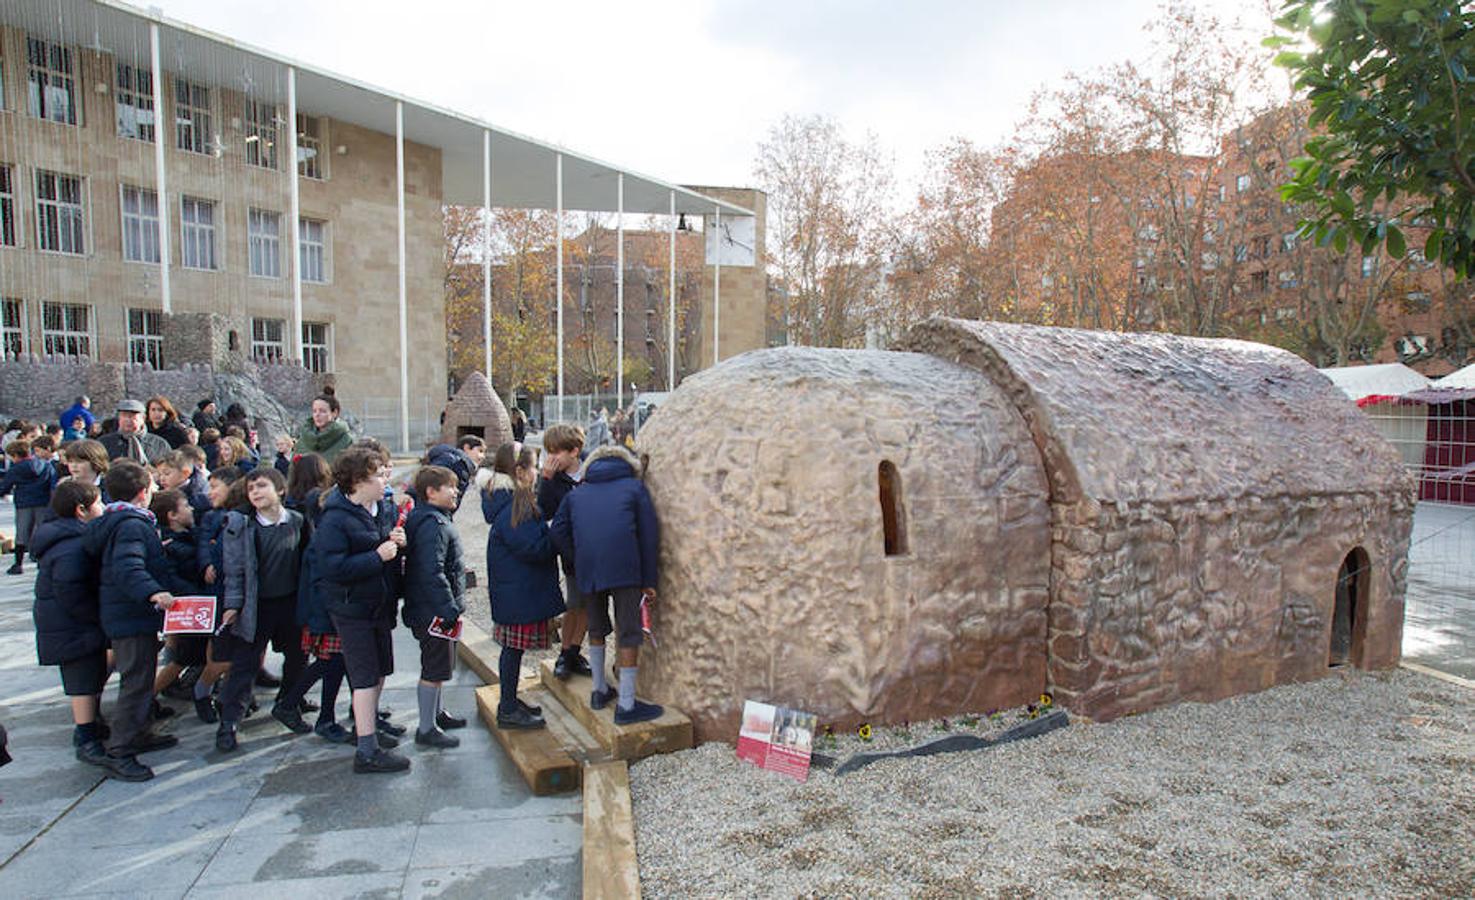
717	291
558	288
157	73
486	246
294	216
671	305
620	289
404	315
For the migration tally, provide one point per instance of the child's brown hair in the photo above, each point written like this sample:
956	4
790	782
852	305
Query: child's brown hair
71	494
166	504
433	477
90	452
18	449
562	437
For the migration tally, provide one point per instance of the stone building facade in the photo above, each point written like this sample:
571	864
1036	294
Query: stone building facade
92	292
1127	521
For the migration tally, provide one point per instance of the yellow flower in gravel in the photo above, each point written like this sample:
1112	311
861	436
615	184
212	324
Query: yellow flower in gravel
1046	700
865	732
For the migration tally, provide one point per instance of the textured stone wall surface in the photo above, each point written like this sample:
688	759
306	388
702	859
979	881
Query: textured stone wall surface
775	584
40	389
1204	496
1159	417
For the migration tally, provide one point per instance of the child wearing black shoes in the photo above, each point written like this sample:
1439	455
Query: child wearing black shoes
354	549
609	525
262	558
68	630
562	445
435	593
522	576
132	595
32	480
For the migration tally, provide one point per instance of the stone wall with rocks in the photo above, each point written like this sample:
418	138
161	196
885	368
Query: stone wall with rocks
278	397
1204	495
776	584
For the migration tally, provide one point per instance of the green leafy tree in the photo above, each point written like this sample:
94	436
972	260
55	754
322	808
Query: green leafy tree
1389	83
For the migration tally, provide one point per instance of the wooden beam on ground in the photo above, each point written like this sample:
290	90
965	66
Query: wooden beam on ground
610	867
478	652
669	733
1435	673
545	765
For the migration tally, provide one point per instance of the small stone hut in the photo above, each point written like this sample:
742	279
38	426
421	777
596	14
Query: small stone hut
476	409
1126	521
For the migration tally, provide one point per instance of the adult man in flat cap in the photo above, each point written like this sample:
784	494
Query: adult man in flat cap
132	440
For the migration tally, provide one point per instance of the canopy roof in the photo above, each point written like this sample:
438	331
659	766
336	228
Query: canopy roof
1385	380
522	167
1460	378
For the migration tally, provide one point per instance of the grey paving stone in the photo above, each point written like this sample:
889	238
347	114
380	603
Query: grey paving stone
260	856
54	868
510	841
555	877
367	886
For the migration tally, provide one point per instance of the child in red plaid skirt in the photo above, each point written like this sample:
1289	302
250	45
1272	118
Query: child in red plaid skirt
522	576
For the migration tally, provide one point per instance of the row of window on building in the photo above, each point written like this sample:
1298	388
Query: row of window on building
53	95
67	331
61	227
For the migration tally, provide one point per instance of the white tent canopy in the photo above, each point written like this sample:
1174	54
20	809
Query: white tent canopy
1383	380
1460	378
522	168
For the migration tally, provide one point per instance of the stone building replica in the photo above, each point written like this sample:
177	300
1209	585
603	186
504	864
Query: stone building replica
476	409
1126	521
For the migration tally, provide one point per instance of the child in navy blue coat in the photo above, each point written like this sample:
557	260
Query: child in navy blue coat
68	628
134	580
32	480
176	518
435	588
353	551
522	576
609	525
562	449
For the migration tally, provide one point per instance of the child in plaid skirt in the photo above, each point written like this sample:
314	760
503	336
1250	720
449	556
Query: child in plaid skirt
522	576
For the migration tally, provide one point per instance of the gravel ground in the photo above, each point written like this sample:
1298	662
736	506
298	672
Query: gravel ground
1356	785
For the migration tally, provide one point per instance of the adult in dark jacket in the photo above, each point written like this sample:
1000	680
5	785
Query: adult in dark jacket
522	575
69	631
353	556
163	421
132	440
207	415
133	590
609	525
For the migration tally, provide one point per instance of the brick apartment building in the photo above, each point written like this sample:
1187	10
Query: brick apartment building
102	103
1205	245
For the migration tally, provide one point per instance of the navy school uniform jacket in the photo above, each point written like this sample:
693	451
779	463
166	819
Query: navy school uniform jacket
609	525
551	492
132	568
31	479
522	574
68	623
435	570
197	491
352	580
311	613
184	561
209	550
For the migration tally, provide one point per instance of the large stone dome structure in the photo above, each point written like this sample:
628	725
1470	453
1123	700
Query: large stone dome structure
476	409
1124	520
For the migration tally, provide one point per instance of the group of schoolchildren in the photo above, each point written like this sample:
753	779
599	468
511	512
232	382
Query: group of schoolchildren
313	564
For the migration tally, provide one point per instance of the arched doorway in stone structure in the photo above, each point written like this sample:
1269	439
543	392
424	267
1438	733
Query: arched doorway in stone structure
1349	609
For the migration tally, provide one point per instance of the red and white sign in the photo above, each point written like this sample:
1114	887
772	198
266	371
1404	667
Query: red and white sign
777	738
190	615
437	627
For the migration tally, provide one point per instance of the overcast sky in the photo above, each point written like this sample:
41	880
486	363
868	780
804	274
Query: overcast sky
684	90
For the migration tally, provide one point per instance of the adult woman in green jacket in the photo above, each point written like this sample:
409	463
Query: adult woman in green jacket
324	434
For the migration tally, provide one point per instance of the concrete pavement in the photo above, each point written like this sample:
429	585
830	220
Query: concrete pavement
284	811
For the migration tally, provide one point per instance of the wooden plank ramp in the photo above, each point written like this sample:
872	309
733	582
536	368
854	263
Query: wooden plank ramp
537	753
667	734
477	651
610	867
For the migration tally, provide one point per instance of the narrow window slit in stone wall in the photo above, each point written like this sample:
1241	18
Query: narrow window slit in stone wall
893	518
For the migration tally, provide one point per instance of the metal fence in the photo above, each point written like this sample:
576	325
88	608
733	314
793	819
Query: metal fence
379	417
1437	443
